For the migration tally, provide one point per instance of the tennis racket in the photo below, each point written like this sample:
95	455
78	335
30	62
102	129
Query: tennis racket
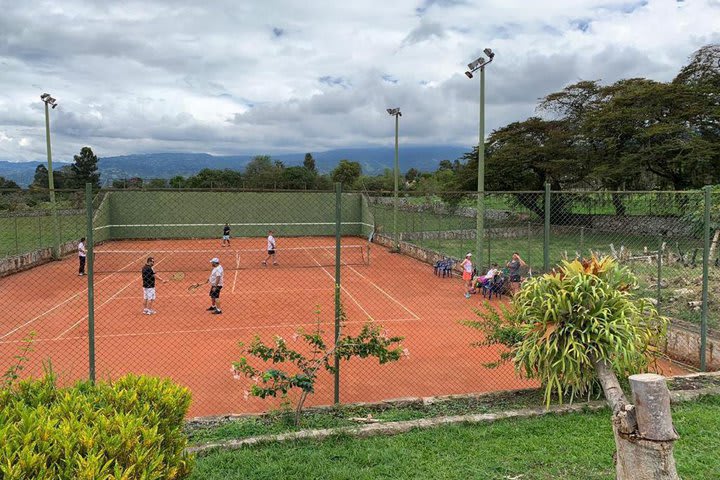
192	288
178	277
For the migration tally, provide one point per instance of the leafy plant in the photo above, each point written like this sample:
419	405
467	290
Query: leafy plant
372	341
129	429
13	372
561	324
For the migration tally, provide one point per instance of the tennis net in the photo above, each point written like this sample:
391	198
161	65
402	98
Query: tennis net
107	261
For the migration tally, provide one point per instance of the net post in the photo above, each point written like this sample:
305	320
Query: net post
706	273
91	290
338	311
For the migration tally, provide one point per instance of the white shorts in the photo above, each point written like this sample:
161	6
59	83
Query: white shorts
149	293
226	237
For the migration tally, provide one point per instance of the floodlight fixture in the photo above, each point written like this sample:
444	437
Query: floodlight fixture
394	111
469	74
489	53
45	97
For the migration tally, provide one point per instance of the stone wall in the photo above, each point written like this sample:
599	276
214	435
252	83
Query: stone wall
18	263
683	344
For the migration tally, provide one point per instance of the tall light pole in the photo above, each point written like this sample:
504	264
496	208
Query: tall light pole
52	103
474	66
395	112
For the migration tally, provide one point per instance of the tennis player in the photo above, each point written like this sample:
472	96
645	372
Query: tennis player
148	281
270	249
82	255
226	236
216	283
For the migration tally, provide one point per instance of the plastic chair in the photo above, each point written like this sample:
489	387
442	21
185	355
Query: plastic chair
497	285
444	267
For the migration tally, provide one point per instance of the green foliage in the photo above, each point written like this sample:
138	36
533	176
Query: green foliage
560	323
13	372
84	170
696	213
370	342
130	429
346	172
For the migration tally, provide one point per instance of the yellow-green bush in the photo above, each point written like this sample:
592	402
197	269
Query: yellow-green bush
127	429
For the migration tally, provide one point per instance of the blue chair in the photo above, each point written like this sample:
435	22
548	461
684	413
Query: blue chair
497	285
444	267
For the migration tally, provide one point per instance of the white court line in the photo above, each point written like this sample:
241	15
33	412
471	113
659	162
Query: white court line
383	292
62	303
207	330
242	292
344	289
237	269
97	307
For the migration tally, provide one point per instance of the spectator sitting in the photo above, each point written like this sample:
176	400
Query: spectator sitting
480	281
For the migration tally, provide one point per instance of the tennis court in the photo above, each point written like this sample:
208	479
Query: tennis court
187	343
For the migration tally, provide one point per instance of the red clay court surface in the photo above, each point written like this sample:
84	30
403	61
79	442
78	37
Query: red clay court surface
185	342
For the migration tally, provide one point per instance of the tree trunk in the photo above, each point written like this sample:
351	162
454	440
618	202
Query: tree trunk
644	435
713	245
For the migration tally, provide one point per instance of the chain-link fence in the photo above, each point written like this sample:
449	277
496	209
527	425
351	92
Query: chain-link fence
386	259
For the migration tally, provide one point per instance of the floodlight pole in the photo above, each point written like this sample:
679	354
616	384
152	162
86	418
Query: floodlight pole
480	64
480	234
51	181
396	175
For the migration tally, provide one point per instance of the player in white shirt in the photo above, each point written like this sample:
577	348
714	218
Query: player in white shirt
82	255
216	283
270	248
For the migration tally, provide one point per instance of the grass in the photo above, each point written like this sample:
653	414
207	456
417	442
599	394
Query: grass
282	421
573	446
24	234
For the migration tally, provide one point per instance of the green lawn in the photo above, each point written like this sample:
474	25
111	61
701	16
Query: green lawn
25	234
573	446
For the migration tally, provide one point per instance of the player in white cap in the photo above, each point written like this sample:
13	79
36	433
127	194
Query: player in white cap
216	283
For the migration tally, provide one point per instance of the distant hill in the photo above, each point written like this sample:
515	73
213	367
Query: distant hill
166	165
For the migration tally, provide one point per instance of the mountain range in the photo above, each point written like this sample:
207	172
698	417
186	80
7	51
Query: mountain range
166	165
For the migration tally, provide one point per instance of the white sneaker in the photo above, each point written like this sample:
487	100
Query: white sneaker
146	311
152	312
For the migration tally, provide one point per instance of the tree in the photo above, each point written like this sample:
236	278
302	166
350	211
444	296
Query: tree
157	183
213	178
178	181
412	174
578	328
40	180
84	170
261	172
346	172
309	163
298	178
8	184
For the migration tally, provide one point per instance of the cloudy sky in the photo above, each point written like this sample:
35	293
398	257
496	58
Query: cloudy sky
271	76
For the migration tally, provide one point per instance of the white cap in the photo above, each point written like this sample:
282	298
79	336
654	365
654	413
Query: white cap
215	260
469	255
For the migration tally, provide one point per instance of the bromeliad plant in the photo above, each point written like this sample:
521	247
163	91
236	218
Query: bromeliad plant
562	325
372	341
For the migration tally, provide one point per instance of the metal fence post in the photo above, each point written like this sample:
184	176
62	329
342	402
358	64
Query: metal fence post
90	276
17	246
338	309
546	239
706	273
659	271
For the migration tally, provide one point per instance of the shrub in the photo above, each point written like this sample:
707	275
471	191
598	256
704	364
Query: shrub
129	429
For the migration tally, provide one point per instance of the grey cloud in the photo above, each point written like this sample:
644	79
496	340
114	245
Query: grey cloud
425	31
